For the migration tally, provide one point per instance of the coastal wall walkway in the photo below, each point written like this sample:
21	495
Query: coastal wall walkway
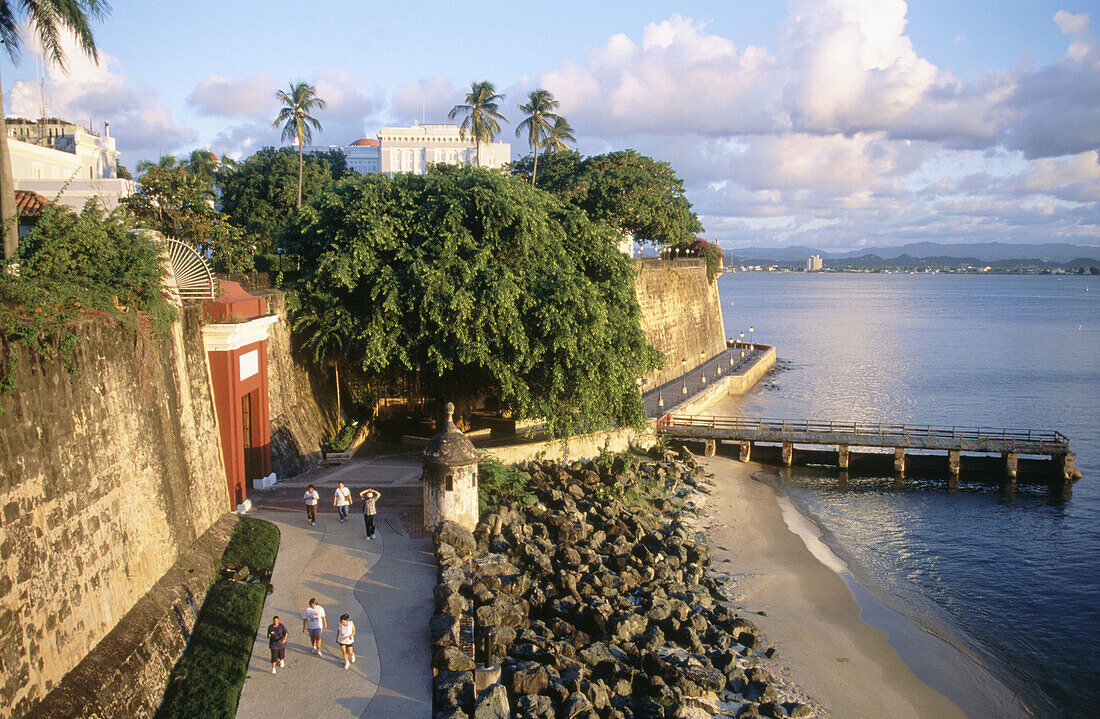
953	441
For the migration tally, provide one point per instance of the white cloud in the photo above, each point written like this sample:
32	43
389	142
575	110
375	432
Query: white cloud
252	97
92	94
842	127
429	99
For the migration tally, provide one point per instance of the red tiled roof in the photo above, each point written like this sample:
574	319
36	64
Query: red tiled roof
365	142
30	203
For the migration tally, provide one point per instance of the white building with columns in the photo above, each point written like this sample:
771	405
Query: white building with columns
52	156
414	149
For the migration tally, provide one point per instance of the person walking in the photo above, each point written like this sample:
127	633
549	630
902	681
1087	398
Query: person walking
311	498
342	500
370	497
276	641
313	623
345	637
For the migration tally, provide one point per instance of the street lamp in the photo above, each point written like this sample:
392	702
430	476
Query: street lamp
702	367
660	402
684	373
752	347
731	352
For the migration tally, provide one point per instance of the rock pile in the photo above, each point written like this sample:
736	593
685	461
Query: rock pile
595	600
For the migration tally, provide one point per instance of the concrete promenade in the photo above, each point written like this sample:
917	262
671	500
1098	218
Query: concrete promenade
385	585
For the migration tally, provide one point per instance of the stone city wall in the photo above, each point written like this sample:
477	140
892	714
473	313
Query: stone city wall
681	313
106	475
301	403
127	673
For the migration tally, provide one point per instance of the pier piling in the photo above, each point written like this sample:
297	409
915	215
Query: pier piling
842	456
709	447
746	450
788	453
899	461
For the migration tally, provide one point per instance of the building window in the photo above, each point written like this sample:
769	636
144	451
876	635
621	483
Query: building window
449	482
38	172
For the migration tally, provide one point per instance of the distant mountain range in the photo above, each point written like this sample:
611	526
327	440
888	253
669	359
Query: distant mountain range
982	252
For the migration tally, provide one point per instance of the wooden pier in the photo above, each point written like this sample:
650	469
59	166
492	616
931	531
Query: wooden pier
856	441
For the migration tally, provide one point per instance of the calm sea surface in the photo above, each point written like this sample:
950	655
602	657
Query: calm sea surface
1014	580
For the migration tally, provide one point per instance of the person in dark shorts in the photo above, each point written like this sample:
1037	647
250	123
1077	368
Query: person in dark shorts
276	640
345	639
311	498
370	497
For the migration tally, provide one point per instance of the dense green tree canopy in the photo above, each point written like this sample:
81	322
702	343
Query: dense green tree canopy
481	284
259	194
628	191
179	202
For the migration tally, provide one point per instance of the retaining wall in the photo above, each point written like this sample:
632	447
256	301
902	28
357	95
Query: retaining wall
106	476
681	313
301	404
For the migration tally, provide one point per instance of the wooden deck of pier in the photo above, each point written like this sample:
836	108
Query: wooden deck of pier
953	442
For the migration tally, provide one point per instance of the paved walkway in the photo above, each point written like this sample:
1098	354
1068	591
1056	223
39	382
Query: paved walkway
385	585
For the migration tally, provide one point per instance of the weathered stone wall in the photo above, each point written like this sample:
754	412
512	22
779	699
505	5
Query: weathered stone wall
681	313
106	475
127	673
301	404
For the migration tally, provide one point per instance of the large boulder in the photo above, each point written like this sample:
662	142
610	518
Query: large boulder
492	703
454	534
452	659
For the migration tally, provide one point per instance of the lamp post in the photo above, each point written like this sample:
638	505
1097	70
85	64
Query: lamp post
702	368
684	374
731	352
660	401
752	347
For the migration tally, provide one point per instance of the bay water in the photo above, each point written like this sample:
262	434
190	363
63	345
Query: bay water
1013	581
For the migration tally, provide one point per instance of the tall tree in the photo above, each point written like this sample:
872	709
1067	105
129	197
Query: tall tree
48	20
560	134
479	284
539	112
482	112
296	120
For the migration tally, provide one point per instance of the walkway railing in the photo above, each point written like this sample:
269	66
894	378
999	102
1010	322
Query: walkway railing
865	434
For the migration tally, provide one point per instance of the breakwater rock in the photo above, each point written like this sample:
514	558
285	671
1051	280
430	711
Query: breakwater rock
590	596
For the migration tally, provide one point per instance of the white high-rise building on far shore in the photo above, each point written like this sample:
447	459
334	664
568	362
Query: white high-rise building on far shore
814	264
414	149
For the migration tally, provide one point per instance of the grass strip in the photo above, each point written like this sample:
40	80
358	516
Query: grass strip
207	680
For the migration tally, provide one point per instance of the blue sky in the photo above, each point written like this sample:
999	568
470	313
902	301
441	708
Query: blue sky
833	123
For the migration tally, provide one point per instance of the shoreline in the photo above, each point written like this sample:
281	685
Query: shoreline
837	642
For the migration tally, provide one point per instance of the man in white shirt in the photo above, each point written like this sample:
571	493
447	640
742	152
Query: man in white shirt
342	501
313	623
311	498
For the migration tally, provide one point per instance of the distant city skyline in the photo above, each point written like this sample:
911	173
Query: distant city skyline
826	123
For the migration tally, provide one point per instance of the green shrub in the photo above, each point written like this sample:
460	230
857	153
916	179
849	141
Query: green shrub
254	544
498	483
77	268
207	680
343	439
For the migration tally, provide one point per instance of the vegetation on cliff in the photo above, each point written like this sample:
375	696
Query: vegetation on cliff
73	267
479	284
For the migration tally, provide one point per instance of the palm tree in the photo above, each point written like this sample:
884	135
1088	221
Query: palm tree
49	20
482	111
560	133
297	121
540	112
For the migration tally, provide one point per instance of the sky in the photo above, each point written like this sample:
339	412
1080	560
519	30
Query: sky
836	124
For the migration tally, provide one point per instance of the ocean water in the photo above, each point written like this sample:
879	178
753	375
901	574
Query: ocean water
1013	581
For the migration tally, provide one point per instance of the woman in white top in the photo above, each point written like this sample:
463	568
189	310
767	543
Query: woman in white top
311	498
342	500
345	637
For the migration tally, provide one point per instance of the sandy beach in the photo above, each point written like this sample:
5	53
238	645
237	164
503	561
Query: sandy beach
810	615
